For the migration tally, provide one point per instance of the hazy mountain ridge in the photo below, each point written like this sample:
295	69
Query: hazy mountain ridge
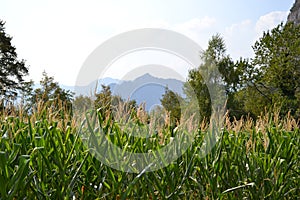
145	88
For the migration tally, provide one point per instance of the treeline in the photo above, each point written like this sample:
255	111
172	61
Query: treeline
270	81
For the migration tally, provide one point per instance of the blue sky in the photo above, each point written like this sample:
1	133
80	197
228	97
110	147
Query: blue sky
57	36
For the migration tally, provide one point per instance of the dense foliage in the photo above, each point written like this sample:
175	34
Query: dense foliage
277	57
270	80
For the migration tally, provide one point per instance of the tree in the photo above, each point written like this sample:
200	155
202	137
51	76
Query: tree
219	77
107	103
172	103
277	58
197	93
103	100
207	80
82	103
216	50
237	79
50	94
12	70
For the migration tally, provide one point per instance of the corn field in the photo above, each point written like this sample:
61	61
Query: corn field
42	156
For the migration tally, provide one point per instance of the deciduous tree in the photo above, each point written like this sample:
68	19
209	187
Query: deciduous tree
277	58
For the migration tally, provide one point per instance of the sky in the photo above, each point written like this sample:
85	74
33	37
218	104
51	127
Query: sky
58	36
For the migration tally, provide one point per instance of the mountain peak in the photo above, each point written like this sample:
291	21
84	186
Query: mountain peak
147	75
146	88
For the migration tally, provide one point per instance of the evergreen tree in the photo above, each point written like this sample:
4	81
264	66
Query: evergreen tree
50	94
12	70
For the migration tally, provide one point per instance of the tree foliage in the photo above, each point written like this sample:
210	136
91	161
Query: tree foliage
106	102
208	81
49	93
12	70
271	79
82	103
277	81
172	103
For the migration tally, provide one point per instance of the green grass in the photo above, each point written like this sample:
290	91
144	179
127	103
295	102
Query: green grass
45	158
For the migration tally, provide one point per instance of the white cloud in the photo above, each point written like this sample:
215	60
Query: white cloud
270	21
198	29
238	38
197	24
238	27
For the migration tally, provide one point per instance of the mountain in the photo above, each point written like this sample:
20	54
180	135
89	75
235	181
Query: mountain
294	15
146	88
